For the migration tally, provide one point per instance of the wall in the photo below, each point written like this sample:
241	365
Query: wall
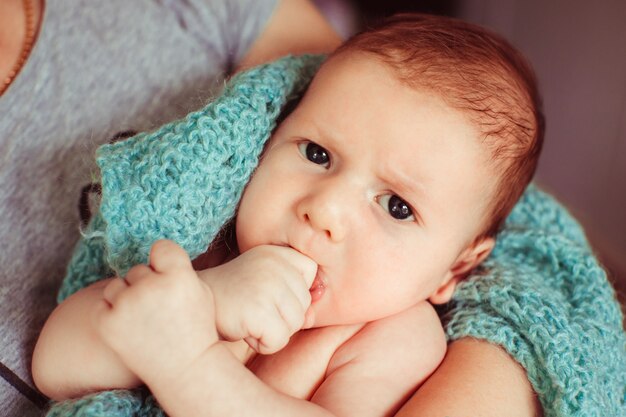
578	49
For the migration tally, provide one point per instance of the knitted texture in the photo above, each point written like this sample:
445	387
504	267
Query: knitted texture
544	298
137	402
541	294
183	181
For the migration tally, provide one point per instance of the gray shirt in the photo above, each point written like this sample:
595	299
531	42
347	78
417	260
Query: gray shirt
97	68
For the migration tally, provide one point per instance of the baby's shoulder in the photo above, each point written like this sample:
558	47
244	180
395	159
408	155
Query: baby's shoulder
412	342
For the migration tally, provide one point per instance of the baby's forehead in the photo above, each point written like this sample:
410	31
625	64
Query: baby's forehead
349	63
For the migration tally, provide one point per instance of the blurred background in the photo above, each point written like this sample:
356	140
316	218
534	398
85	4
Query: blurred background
578	50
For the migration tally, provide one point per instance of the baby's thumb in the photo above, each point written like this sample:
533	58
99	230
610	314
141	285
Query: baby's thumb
308	267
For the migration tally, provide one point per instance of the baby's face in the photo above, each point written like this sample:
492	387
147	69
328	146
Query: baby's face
381	185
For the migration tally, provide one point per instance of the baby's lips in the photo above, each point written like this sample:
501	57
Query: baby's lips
317	288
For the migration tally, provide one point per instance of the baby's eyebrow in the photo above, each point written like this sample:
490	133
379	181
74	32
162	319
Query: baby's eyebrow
412	190
323	130
320	128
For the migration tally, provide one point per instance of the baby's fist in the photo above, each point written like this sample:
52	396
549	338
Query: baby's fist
262	296
160	318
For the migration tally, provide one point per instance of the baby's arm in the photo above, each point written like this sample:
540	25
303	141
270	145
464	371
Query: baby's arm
70	359
377	370
370	375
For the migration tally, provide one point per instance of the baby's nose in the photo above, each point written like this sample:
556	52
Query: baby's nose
326	209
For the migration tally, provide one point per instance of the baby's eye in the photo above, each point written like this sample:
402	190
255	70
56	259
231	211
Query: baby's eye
314	153
397	207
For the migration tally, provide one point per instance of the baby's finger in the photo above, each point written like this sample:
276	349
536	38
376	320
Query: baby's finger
137	273
113	289
306	266
166	255
274	339
300	289
268	334
292	312
253	343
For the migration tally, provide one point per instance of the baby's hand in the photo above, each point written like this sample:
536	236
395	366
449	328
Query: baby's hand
161	317
262	296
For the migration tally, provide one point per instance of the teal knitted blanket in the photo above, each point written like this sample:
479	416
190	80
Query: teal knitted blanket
541	294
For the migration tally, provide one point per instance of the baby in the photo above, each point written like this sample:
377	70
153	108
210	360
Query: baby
381	191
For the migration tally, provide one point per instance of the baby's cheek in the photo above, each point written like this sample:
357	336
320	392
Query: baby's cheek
249	233
241	238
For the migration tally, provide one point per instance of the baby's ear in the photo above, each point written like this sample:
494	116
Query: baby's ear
466	261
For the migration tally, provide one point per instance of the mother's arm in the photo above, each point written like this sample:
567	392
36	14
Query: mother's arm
296	27
476	378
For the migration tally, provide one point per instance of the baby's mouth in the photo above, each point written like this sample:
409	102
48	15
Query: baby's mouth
317	288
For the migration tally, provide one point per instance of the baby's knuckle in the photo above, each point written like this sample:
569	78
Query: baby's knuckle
254	328
165	285
271	263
